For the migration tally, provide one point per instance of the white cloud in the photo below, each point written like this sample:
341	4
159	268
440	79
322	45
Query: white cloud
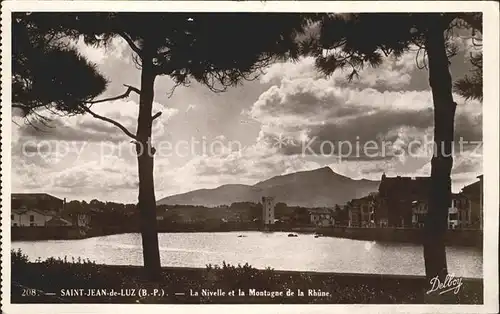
305	107
298	105
116	49
87	128
467	44
392	74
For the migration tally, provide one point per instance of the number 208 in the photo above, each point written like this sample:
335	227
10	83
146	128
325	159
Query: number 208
29	293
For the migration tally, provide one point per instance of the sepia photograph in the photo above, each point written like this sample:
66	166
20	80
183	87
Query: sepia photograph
263	153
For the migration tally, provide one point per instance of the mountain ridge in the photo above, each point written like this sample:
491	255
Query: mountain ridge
320	187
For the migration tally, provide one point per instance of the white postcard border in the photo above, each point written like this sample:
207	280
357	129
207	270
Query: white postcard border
491	103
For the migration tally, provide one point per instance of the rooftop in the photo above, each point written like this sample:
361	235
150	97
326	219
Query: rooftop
21	211
21	196
319	211
414	187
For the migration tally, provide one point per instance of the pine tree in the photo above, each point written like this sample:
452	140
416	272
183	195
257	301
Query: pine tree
352	41
218	50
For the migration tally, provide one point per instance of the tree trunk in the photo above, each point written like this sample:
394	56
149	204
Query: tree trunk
442	160
145	152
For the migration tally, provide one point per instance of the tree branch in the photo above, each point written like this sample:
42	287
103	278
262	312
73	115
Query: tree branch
20	106
115	123
131	43
171	93
132	88
473	20
156	115
124	95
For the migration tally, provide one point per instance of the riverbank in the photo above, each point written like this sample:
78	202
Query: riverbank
59	281
453	237
457	237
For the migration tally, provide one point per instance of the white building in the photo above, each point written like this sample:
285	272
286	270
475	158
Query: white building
419	210
268	210
453	221
82	220
459	214
321	217
29	218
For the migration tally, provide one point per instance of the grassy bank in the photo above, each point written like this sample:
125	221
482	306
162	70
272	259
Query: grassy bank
50	276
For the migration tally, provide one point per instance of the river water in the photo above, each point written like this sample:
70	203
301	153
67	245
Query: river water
260	250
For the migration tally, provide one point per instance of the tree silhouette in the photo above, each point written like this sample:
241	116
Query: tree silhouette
40	76
218	50
471	86
351	41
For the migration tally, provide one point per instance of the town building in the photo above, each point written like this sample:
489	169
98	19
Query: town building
460	205
474	193
383	222
397	196
23	217
380	213
418	213
453	222
321	217
38	210
82	220
459	213
58	222
79	219
268	204
341	215
362	212
404	201
40	201
378	216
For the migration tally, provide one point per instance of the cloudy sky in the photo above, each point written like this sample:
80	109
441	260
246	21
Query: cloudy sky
290	119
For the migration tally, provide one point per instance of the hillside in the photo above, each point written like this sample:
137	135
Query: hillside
316	188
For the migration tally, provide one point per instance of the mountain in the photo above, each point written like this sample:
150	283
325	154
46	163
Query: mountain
316	188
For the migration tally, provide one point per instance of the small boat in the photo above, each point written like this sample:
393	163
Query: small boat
242	236
291	235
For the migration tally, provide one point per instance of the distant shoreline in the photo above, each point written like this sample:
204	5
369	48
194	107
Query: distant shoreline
457	237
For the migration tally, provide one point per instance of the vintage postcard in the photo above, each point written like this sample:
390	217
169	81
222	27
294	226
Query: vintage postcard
250	156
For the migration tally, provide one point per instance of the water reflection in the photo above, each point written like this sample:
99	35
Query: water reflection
275	250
